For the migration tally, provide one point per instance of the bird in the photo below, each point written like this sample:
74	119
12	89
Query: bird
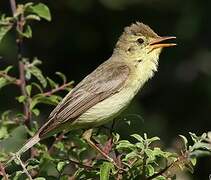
103	94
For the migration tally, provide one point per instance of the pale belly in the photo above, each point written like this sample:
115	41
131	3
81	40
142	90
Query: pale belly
106	110
111	107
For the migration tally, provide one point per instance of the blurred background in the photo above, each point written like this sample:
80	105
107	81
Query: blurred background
82	34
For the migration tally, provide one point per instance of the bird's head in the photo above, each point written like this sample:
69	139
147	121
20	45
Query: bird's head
140	42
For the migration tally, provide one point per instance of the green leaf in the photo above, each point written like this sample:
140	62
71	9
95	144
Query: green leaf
4	29
33	17
35	71
37	86
138	137
185	141
52	83
28	4
160	178
36	112
193	161
5	115
39	98
209	135
41	10
61	165
16	139
3	82
3	132
150	140
124	144
60	145
131	155
40	178
62	76
105	169
17	175
8	68
202	145
28	89
140	145
28	75
21	99
33	161
158	152
145	136
27	32
194	137
116	137
150	155
150	170
31	167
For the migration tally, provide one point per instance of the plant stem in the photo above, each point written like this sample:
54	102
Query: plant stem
11	79
13	6
27	113
24	168
19	40
62	87
3	173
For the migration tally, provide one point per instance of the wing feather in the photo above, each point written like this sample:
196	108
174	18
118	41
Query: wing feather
106	80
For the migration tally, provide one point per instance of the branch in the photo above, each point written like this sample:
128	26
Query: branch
13	80
19	40
3	173
87	167
62	87
24	168
27	113
13	6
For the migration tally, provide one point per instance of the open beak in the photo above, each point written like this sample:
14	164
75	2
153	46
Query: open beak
158	42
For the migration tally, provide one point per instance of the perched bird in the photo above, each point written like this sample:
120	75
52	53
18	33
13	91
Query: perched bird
108	90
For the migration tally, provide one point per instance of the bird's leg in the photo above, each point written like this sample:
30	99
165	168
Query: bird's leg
87	137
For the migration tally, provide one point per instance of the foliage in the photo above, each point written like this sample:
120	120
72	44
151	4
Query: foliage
68	155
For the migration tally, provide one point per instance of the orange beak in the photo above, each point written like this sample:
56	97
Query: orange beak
157	43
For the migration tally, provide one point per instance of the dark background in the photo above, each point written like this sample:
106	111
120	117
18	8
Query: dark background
82	35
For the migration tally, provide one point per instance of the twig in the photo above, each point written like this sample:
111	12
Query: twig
144	166
13	6
24	168
81	165
27	113
62	87
12	80
3	173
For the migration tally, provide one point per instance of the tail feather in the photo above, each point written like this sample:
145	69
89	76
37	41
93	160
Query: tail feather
30	143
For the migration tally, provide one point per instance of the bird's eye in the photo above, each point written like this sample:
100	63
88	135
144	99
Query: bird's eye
140	40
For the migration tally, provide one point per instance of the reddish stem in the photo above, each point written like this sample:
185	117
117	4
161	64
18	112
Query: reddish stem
62	87
27	112
19	40
12	80
3	173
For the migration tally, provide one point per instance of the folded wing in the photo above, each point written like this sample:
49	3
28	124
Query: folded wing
105	81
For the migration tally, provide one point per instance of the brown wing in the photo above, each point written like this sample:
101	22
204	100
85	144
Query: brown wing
106	80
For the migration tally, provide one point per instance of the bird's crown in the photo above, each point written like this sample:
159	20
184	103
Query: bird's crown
140	28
